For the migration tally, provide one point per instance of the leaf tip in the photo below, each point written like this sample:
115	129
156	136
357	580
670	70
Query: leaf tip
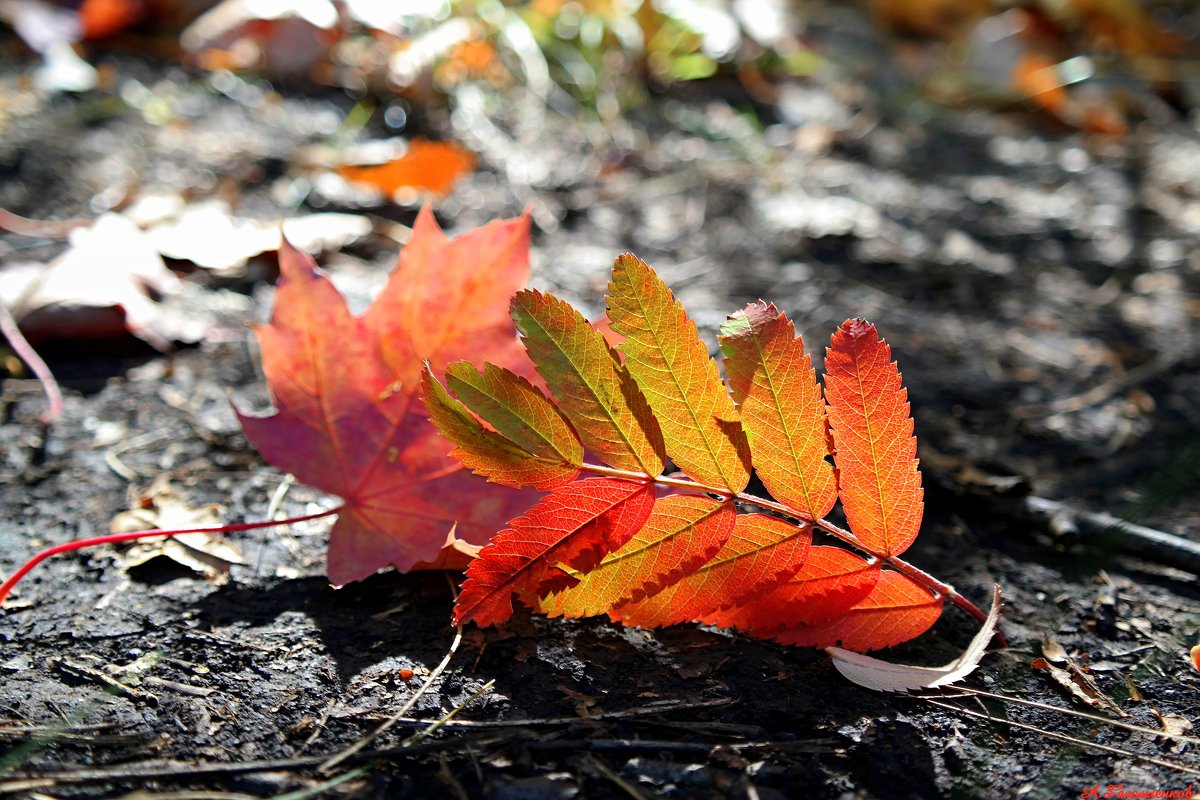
857	327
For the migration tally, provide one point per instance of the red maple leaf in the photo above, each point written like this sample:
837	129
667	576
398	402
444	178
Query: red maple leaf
348	419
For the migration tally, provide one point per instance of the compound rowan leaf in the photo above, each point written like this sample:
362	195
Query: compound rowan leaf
895	611
575	526
664	354
782	410
517	409
592	388
876	452
488	453
761	553
682	533
448	298
829	583
347	418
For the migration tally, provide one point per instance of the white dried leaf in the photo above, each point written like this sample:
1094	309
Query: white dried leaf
883	676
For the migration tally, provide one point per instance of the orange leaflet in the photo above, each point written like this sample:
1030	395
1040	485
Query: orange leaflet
427	166
487	453
576	526
664	354
344	425
682	533
761	553
517	409
448	298
830	582
876	451
895	611
781	406
593	389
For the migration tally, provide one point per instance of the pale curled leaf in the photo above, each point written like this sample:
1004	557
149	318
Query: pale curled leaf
882	676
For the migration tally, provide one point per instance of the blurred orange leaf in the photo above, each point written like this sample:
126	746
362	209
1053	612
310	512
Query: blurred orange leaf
426	166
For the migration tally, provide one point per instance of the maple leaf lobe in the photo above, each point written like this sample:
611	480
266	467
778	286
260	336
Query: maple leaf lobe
341	426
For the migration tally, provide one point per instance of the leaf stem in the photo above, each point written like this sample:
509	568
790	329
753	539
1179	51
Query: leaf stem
914	574
20	345
114	538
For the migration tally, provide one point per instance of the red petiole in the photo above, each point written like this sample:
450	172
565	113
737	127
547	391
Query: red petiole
115	538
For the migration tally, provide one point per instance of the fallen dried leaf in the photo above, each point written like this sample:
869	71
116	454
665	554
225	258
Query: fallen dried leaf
110	280
424	167
162	506
1073	677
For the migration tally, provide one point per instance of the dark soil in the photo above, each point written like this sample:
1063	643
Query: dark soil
1038	287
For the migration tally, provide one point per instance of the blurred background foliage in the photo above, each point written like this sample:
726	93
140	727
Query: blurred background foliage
1093	65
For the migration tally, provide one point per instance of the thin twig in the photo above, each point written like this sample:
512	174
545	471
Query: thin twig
437	723
607	772
187	794
1159	762
40	228
325	786
25	351
116	538
338	758
184	772
1116	723
649	709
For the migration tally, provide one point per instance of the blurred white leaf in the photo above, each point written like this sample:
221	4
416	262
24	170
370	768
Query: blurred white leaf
110	279
209	236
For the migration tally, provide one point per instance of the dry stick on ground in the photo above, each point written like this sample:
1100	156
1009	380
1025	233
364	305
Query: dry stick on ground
1162	547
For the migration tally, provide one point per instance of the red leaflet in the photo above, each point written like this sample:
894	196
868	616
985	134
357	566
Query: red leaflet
761	553
876	456
682	533
829	584
895	611
342	422
576	526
